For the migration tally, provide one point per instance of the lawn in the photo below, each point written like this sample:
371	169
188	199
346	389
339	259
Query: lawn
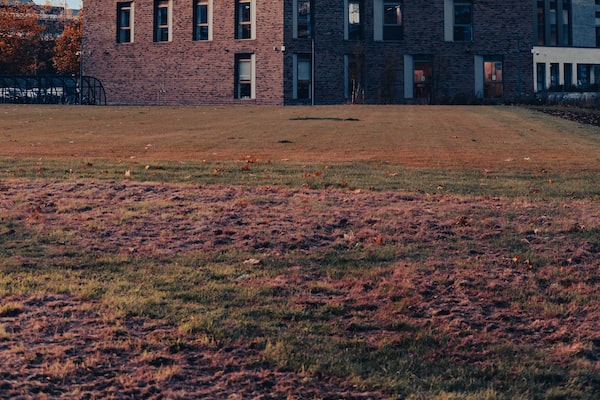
357	252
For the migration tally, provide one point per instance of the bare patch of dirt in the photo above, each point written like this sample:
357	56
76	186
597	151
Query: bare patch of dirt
461	266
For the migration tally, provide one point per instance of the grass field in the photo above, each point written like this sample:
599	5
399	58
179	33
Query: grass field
353	252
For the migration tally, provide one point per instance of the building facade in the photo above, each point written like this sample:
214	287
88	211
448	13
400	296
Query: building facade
566	51
285	52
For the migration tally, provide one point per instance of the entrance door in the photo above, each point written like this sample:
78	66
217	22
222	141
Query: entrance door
422	80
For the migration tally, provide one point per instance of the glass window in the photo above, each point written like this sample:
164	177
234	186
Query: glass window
554	25
304	19
552	17
566	23
201	22
568	76
244	19
583	76
392	20
541	23
125	22
463	21
354	22
162	21
243	78
541	77
554	76
303	76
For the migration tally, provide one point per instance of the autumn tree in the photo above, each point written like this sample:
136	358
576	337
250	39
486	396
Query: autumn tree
67	50
20	39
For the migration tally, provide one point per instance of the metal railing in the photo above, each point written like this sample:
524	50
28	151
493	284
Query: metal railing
51	89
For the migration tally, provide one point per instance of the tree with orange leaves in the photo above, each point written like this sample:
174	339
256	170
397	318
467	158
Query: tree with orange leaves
20	39
67	50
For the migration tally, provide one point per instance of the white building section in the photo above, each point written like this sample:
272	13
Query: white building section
568	68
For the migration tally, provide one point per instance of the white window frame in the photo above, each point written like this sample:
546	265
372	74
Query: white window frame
169	25
238	81
252	22
121	27
209	17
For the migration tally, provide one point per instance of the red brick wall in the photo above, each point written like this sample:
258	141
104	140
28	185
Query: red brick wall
199	72
182	71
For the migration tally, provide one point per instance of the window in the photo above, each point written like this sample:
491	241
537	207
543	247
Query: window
568	76
554	23
387	20
392	20
541	77
302	77
353	20
162	20
565	38
125	22
583	76
458	20
202	19
554	76
244	19
463	21
492	70
244	76
598	36
541	23
303	19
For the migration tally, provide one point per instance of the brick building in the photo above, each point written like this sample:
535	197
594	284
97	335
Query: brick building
327	51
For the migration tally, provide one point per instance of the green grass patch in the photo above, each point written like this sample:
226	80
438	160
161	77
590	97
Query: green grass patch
375	176
306	327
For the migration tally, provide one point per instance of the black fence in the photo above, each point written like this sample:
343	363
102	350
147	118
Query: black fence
51	89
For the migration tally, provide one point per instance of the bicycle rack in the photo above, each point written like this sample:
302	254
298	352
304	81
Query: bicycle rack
51	89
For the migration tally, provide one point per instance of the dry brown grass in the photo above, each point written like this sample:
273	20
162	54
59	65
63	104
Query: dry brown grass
113	286
436	136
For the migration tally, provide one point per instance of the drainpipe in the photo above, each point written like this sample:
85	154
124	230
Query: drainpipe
312	87
519	67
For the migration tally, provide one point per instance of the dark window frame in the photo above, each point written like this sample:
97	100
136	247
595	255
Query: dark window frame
393	20
463	21
304	19
355	30
304	86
